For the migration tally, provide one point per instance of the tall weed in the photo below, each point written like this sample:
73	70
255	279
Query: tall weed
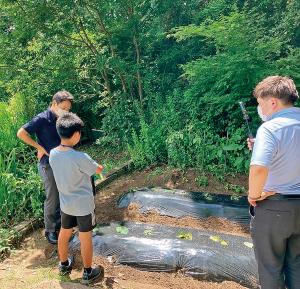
20	187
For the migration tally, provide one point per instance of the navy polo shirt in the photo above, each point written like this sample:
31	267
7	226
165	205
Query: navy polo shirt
44	127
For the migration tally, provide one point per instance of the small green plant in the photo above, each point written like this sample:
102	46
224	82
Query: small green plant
4	241
235	188
202	181
6	236
123	230
248	244
208	196
97	230
184	235
148	232
158	171
218	239
235	197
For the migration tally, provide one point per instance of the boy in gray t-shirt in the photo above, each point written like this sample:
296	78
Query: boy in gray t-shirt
72	171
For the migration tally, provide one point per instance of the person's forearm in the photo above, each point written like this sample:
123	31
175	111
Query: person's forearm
25	137
257	179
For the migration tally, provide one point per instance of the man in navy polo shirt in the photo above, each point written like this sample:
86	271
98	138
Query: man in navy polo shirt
43	126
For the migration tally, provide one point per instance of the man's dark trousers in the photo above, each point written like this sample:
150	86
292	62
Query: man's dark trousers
51	204
275	230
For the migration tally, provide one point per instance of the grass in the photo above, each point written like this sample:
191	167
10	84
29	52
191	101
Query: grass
39	275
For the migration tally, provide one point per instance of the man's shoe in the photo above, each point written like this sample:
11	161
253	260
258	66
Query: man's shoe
66	269
51	237
97	273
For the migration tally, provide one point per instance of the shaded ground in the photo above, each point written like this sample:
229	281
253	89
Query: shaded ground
33	266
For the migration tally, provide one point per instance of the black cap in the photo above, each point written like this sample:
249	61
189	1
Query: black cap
62	95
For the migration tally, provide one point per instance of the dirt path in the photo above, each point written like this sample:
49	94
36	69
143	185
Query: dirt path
34	265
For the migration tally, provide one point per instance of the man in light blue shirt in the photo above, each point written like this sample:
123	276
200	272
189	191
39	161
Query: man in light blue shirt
277	148
274	185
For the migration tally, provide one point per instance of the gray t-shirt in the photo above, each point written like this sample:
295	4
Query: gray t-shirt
72	171
277	147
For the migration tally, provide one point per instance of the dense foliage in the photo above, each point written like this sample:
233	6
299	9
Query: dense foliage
161	78
20	189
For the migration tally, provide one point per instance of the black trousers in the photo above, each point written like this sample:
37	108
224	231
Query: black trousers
275	230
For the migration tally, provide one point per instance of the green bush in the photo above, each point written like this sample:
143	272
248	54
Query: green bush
21	193
167	132
148	146
118	123
197	146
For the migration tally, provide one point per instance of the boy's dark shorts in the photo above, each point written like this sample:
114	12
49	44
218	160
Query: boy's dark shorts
85	223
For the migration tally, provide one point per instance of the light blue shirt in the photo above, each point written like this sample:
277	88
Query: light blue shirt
72	171
277	147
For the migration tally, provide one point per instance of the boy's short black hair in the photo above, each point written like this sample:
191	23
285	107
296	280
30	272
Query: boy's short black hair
68	124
